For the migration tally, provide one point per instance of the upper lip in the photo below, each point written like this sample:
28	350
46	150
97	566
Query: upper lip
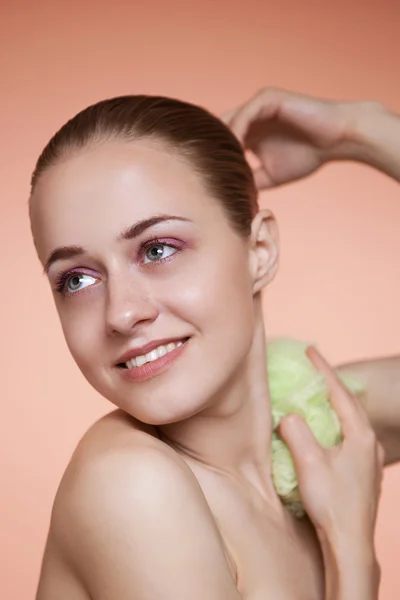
147	348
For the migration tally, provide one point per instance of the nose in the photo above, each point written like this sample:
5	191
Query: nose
128	305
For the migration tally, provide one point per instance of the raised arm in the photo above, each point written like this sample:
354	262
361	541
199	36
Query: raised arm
381	400
293	135
372	137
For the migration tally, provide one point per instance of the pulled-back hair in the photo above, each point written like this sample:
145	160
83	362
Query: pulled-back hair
192	132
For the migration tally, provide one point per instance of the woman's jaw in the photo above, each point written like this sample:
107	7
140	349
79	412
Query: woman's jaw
232	433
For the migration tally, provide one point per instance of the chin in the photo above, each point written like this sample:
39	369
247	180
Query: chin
161	403
160	409
174	395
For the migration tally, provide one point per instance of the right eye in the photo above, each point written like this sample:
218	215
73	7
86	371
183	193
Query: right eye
69	283
78	282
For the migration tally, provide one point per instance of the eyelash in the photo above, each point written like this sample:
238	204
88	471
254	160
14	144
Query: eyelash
62	278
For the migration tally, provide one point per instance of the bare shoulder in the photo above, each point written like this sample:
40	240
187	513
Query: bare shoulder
117	449
130	519
115	429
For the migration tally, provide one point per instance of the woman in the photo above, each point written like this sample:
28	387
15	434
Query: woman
144	214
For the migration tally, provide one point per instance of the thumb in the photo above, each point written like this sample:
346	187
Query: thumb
300	440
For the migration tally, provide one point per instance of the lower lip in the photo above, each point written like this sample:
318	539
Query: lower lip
154	367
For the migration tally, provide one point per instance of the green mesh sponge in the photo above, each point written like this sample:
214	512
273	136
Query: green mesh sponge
297	387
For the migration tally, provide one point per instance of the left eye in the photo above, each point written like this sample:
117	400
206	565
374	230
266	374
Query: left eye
157	252
77	282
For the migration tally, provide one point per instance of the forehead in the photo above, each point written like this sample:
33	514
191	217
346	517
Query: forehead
99	191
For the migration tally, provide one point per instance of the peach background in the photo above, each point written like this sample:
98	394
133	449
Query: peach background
339	282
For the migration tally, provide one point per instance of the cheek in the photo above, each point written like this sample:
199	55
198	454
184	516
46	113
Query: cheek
233	311
81	331
216	298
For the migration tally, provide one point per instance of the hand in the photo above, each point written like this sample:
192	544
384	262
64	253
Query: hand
339	486
292	135
340	489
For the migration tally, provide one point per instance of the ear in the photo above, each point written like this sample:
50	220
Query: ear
264	249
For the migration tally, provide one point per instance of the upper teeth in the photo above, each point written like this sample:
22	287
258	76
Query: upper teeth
141	360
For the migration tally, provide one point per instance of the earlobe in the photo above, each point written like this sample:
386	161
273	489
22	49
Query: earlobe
264	249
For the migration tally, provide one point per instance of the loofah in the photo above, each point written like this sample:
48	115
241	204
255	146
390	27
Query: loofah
297	387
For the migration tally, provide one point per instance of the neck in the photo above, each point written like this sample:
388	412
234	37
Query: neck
233	435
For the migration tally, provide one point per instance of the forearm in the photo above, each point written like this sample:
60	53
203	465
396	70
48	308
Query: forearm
381	399
373	137
352	571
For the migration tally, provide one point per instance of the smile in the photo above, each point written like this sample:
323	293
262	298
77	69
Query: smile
153	363
155	354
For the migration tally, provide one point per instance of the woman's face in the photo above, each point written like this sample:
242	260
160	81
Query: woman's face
127	280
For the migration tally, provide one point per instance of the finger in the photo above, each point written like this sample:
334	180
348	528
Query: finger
229	115
261	178
350	416
302	444
264	105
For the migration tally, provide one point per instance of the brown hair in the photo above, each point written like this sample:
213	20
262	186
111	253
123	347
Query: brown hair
191	131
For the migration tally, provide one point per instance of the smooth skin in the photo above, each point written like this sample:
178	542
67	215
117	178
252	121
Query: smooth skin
187	509
292	136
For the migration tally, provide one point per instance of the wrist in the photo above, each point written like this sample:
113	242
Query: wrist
351	568
364	132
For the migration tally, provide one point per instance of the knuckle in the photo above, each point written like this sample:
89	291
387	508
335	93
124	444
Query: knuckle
267	91
368	438
312	457
309	459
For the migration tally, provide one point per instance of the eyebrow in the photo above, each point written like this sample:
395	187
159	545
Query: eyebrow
65	252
